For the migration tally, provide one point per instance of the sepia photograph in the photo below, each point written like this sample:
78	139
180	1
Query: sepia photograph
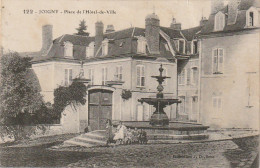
120	83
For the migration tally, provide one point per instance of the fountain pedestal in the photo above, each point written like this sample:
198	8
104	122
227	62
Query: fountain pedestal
159	117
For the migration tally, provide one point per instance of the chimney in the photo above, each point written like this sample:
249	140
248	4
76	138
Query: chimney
110	28
232	11
99	26
46	37
203	21
174	25
216	5
152	28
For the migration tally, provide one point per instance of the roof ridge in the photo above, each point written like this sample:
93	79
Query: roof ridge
122	30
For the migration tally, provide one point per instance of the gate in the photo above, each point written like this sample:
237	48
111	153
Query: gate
100	108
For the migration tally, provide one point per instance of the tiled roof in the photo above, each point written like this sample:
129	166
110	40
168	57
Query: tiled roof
190	33
121	43
240	20
171	33
74	39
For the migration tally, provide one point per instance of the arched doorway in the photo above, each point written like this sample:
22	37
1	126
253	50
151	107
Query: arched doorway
100	108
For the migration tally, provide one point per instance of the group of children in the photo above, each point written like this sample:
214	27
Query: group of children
124	135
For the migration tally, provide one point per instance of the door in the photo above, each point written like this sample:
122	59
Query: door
100	108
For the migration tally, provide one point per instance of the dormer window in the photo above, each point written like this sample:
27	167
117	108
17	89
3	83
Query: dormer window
219	21
181	45
141	45
90	50
252	17
68	49
104	47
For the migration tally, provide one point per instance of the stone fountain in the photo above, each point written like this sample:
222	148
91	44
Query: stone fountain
159	117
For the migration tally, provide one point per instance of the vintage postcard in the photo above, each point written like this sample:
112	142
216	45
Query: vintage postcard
120	83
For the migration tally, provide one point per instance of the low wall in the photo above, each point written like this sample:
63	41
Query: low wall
30	131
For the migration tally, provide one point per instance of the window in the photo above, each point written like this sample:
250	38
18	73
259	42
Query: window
140	76
251	18
218	55
91	76
194	48
216	104
188	76
104	75
90	50
181	46
181	77
194	108
105	47
181	106
68	49
141	45
219	21
194	75
119	75
140	112
68	77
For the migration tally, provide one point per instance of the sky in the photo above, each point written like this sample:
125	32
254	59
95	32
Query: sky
21	31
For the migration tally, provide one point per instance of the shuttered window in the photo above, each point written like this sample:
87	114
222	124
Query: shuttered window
119	73
68	76
104	75
140	73
218	60
91	76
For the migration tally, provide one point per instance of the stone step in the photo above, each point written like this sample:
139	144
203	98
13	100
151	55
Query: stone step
94	136
90	141
74	143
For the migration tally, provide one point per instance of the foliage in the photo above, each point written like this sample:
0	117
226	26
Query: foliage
66	95
81	29
20	95
126	94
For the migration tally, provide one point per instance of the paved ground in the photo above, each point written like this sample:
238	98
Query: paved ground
210	154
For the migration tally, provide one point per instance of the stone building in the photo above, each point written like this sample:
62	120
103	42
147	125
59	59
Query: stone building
229	58
115	62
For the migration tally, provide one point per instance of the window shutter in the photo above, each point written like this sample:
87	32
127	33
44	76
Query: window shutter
215	60
219	104
70	76
66	77
188	76
121	73
138	74
143	77
220	60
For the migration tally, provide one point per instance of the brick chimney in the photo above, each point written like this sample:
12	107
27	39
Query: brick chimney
46	37
216	5
203	21
152	28
232	11
174	25
99	27
110	28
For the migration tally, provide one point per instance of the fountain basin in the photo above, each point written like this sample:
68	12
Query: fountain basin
159	118
176	130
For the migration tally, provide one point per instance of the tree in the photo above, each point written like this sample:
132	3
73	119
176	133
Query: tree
19	92
81	29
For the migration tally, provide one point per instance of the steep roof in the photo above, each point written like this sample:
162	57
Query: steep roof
121	43
189	34
240	23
